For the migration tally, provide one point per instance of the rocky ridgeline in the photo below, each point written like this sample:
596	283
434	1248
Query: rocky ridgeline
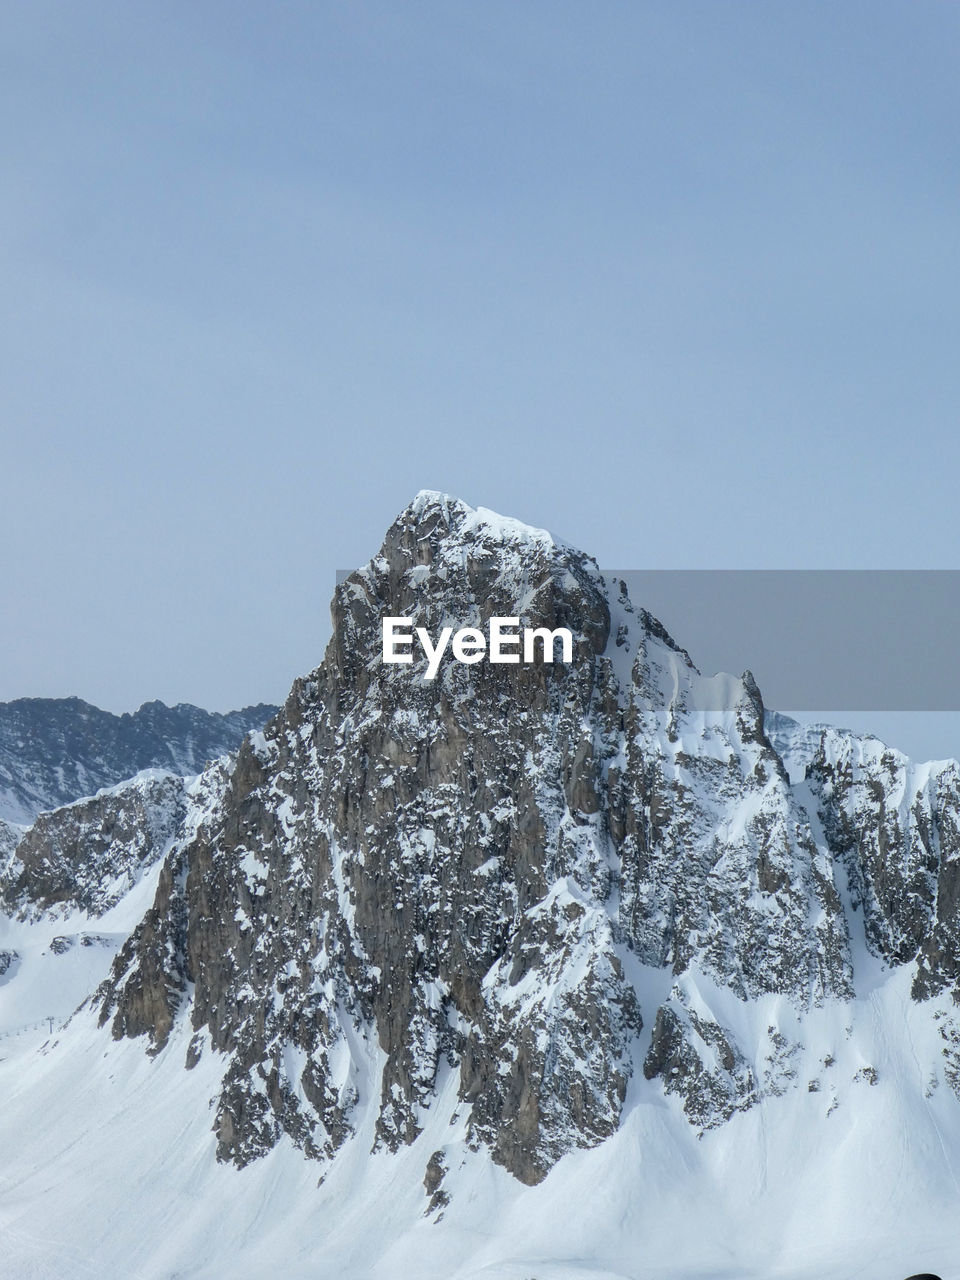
56	750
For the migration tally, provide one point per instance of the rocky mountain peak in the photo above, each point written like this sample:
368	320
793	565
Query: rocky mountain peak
442	563
461	874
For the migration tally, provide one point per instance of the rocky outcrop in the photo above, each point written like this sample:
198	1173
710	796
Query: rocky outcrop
700	1062
895	828
86	856
10	837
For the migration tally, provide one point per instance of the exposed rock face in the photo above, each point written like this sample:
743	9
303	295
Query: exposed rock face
699	1060
56	750
895	827
719	867
459	875
86	856
10	837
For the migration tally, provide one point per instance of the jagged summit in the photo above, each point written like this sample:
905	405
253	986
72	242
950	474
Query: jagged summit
444	562
510	542
460	871
461	517
441	531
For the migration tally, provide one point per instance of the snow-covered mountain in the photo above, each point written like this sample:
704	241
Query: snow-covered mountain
87	855
557	971
56	750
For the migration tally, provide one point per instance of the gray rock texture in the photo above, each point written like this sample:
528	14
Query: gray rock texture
895	828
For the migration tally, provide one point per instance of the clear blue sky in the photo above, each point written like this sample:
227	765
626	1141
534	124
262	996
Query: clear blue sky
679	281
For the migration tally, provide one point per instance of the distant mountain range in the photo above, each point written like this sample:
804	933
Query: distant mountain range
56	750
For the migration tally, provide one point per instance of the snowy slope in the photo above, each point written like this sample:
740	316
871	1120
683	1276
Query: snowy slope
109	1173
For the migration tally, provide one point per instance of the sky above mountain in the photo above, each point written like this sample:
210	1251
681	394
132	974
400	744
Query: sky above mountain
676	281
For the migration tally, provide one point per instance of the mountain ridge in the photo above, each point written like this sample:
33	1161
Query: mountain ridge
57	750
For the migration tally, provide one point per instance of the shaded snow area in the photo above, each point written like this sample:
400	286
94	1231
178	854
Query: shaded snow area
532	973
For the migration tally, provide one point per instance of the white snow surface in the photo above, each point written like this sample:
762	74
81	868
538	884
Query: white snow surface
109	1172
